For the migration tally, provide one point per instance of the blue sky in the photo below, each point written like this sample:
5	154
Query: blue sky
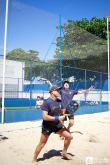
74	9
32	23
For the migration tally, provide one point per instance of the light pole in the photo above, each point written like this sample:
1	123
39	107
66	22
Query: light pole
4	61
108	50
60	51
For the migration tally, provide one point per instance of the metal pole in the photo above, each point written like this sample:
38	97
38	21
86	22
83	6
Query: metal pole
60	27
30	82
108	50
85	82
4	61
101	88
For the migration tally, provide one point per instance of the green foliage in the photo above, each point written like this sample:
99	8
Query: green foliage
20	54
27	57
96	26
84	45
84	41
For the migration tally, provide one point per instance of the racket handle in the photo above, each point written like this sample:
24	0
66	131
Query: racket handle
66	114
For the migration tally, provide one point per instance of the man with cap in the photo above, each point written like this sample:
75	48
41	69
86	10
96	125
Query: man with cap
52	123
67	96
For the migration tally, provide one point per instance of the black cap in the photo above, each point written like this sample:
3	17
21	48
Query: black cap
54	88
66	81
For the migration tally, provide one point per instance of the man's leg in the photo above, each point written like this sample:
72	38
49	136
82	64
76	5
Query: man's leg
71	123
63	111
39	147
67	140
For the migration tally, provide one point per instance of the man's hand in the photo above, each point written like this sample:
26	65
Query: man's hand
91	88
86	91
62	117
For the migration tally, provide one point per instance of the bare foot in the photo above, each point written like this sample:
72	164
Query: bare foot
66	156
34	162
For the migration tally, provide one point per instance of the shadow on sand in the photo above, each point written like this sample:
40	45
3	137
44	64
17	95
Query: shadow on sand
52	153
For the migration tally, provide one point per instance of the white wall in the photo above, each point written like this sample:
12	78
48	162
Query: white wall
14	75
91	96
13	69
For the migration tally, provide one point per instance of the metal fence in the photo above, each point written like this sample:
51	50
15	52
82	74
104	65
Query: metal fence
37	79
44	49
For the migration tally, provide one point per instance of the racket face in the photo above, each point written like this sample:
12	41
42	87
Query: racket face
72	107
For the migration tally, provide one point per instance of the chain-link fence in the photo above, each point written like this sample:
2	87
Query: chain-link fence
44	49
36	79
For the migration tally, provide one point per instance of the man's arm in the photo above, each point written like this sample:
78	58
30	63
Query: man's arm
47	117
85	91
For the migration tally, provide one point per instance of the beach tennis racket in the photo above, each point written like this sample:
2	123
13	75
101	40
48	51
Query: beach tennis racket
72	107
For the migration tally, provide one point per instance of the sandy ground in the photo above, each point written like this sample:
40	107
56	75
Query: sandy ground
90	144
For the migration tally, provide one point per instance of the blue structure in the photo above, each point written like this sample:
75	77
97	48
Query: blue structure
19	102
36	87
37	84
90	108
36	114
21	115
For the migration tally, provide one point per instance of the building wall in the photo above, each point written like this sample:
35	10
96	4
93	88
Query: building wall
14	77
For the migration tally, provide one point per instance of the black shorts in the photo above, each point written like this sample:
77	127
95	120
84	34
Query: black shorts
71	117
47	129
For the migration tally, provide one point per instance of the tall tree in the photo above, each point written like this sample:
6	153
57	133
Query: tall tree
83	39
30	58
23	55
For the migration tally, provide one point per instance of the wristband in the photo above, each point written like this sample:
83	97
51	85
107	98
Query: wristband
56	118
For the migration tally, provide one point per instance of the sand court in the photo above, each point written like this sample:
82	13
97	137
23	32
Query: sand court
90	144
